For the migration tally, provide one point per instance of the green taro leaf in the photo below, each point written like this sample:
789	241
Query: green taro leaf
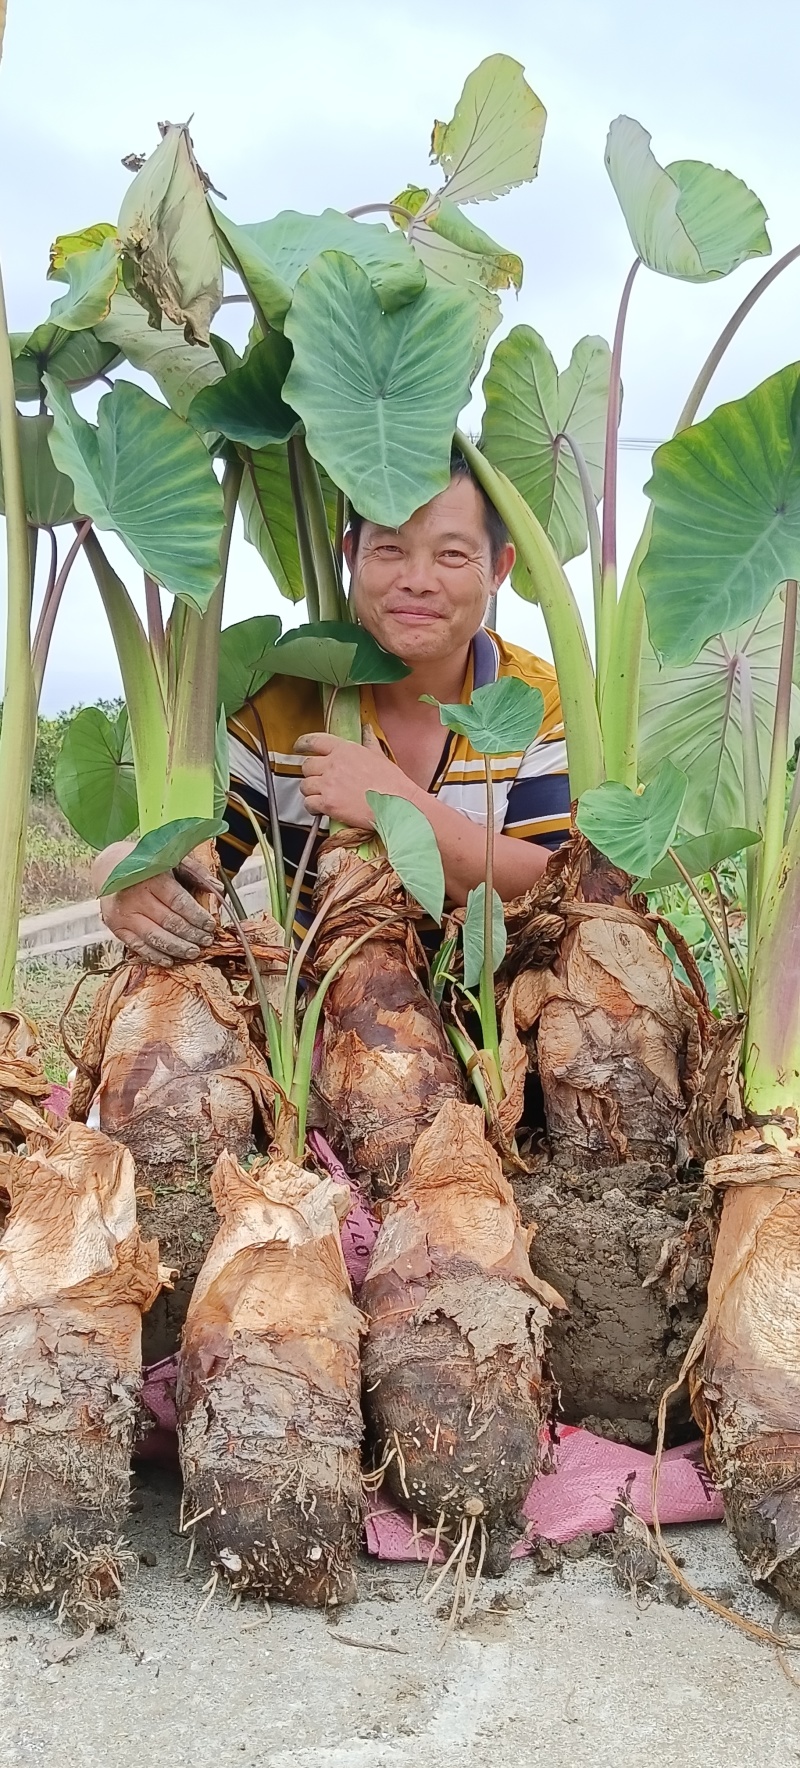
411	848
529	407
180	370
473	935
49	496
698	856
336	653
379	394
500	719
494	139
93	277
95	783
459	255
246	659
693	714
633	829
271	256
77	358
247	406
726	522
161	851
172	257
267	510
687	219
68	245
222	766
144	474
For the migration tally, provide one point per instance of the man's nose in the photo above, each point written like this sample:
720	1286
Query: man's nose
416	575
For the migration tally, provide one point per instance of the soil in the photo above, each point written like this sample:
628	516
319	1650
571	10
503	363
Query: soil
184	1222
599	1236
565	1669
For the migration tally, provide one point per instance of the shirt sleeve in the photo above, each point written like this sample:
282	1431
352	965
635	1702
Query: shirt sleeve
538	806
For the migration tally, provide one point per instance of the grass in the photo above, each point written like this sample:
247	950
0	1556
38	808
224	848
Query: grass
42	993
57	862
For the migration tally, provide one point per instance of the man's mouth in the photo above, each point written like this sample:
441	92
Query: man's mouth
414	616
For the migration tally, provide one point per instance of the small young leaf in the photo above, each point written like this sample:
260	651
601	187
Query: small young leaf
698	855
248	405
473	935
95	782
500	719
246	659
161	851
412	849
634	830
334	652
440	968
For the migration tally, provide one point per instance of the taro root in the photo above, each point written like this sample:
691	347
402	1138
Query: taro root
620	1039
169	1065
268	1389
455	1386
23	1084
386	1065
75	1277
746	1391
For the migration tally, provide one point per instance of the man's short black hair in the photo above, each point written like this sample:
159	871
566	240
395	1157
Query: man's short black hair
496	529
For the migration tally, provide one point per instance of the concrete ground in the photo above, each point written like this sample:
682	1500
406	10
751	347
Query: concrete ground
561	1669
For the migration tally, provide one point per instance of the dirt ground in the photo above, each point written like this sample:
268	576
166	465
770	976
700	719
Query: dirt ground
561	1669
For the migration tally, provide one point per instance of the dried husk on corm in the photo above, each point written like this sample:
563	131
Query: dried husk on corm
22	1079
386	1064
746	1386
456	1389
619	1039
75	1277
268	1389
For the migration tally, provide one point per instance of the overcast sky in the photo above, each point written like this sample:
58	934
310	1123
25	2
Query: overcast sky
314	103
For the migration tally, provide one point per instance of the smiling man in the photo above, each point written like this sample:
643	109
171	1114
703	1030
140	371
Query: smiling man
422	591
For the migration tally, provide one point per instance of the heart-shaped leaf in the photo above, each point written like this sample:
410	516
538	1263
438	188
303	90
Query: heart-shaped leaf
145	475
93	277
248	405
693	714
698	856
271	256
473	935
336	653
634	829
529	409
180	370
161	850
173	264
379	393
494	138
77	358
95	783
411	848
726	523
268	515
246	659
688	219
500	719
49	496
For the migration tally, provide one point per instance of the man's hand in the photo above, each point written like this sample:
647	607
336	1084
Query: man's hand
337	776
159	920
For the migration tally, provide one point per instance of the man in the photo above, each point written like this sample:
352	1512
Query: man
422	591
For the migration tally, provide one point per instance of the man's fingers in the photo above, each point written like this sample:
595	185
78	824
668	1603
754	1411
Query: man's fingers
182	906
158	941
196	877
315	743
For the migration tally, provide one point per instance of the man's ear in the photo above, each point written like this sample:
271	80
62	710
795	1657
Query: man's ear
347	549
504	565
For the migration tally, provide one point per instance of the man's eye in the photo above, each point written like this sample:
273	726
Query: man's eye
454	557
387	551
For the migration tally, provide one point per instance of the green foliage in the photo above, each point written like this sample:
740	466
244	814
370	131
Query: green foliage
412	849
634	829
500	719
49	495
246	659
699	856
474	935
95	782
338	654
271	256
529	408
248	405
688	219
161	850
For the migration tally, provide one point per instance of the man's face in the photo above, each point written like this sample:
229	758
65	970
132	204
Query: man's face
422	589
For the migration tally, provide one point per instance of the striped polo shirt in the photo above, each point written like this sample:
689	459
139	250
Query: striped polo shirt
531	790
